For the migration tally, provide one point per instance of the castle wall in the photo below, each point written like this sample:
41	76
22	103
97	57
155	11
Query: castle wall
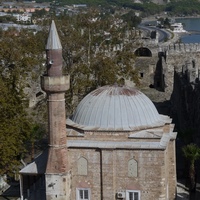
186	105
186	111
158	71
178	48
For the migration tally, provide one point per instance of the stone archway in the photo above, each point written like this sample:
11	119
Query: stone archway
143	52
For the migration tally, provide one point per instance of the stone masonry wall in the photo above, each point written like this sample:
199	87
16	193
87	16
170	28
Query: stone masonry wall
186	104
172	181
157	72
108	173
180	48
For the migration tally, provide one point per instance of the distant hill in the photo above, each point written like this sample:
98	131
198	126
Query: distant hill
105	2
145	7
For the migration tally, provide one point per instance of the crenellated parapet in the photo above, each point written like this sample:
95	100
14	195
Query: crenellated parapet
151	43
178	48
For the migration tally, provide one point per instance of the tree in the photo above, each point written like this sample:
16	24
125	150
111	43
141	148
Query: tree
37	132
14	127
131	19
21	59
39	13
88	40
192	154
7	18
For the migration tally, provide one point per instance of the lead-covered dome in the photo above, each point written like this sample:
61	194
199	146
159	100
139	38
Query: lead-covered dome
116	108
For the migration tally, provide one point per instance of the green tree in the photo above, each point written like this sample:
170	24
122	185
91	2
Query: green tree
86	39
7	18
36	134
192	154
39	13
21	61
131	19
14	127
183	7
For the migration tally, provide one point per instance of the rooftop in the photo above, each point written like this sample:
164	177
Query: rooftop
116	108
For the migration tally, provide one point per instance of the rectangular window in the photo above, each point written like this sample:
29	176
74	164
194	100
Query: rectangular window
132	195
82	194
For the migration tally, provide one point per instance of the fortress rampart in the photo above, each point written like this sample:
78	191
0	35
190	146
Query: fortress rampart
180	48
171	49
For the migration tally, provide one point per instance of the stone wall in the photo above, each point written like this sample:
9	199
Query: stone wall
107	171
178	48
111	173
182	72
186	105
158	70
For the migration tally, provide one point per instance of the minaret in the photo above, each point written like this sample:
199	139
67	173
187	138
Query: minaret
55	84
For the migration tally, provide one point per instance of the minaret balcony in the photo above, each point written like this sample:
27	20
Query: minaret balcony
55	83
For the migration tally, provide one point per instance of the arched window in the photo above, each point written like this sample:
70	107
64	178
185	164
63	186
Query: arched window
82	166
132	168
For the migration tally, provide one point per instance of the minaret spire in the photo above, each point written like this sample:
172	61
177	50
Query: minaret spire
53	41
55	84
54	52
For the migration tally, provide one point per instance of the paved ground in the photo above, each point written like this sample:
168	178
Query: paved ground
172	37
183	194
11	193
182	191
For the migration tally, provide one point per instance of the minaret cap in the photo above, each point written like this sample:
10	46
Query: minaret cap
53	41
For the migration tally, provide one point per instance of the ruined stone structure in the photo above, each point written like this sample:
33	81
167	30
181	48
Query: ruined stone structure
185	109
185	99
156	68
116	145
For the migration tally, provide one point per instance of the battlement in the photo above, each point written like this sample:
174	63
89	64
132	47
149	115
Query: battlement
172	49
180	48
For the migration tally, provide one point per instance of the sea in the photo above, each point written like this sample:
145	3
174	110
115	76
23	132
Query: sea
192	25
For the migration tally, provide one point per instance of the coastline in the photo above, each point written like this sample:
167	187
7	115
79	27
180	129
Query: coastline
188	35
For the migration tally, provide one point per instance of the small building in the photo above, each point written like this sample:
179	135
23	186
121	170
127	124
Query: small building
3	14
79	5
25	17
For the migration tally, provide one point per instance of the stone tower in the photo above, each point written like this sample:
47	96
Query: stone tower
55	84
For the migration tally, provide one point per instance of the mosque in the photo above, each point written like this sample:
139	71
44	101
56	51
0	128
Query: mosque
115	146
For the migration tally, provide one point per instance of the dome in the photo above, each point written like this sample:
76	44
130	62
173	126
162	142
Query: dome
116	108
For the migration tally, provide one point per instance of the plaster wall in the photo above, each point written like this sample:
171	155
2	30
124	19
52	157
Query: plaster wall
58	186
